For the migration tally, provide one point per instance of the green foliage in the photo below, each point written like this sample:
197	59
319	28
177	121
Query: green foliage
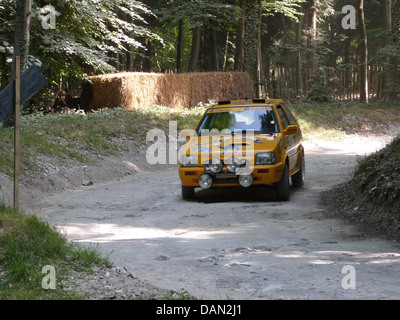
319	90
377	178
250	40
196	12
220	16
388	57
289	8
27	245
336	119
101	36
86	37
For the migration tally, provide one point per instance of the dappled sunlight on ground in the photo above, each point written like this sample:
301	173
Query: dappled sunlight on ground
103	232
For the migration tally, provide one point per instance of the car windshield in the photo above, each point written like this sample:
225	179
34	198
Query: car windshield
233	120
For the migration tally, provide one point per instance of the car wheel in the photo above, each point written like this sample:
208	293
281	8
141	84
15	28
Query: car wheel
282	187
298	177
187	192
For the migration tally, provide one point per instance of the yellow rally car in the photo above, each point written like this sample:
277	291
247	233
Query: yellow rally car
243	143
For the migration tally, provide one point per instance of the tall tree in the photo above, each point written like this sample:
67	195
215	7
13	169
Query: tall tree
387	27
251	38
311	21
363	48
387	20
194	53
22	31
257	70
179	46
214	47
240	32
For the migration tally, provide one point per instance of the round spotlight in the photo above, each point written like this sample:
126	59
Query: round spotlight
232	164
215	165
205	181
243	168
246	180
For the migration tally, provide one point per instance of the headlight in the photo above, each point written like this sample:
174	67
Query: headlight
215	165
189	161
265	158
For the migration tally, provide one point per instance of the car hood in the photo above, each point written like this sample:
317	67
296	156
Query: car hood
209	146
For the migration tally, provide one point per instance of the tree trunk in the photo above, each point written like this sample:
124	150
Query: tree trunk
312	34
226	51
239	52
194	55
303	47
129	50
214	47
387	27
299	69
257	70
267	71
22	32
147	59
252	41
387	20
347	62
179	47
129	58
363	48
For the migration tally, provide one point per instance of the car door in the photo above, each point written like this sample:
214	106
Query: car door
290	142
298	137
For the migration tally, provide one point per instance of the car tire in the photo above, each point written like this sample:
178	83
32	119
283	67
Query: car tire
282	188
298	177
187	192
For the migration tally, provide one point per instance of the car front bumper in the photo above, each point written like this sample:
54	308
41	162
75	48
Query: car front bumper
262	174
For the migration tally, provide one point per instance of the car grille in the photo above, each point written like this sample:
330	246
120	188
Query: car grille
225	181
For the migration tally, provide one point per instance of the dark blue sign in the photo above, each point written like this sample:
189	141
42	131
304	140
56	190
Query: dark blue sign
32	80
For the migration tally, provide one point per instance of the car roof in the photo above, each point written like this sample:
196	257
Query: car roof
247	102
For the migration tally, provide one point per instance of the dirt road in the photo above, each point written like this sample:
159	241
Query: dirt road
236	243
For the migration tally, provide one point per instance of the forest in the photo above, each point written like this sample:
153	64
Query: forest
310	50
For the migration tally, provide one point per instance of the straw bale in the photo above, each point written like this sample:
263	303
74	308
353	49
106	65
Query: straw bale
220	86
131	90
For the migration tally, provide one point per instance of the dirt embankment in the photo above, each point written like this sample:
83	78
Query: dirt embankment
371	199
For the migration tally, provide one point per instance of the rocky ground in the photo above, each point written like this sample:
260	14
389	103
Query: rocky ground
115	283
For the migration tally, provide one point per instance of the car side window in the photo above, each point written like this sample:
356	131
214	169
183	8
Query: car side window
283	117
291	118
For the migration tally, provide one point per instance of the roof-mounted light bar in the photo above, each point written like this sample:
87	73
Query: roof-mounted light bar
224	102
258	100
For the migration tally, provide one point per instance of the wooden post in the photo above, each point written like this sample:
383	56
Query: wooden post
16	131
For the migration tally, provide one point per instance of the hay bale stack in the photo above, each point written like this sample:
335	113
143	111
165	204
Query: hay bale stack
131	90
119	90
220	86
174	90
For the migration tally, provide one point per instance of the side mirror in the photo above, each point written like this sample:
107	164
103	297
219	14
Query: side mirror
186	134
290	130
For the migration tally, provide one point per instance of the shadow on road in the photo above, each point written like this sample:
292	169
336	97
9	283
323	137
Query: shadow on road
264	193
